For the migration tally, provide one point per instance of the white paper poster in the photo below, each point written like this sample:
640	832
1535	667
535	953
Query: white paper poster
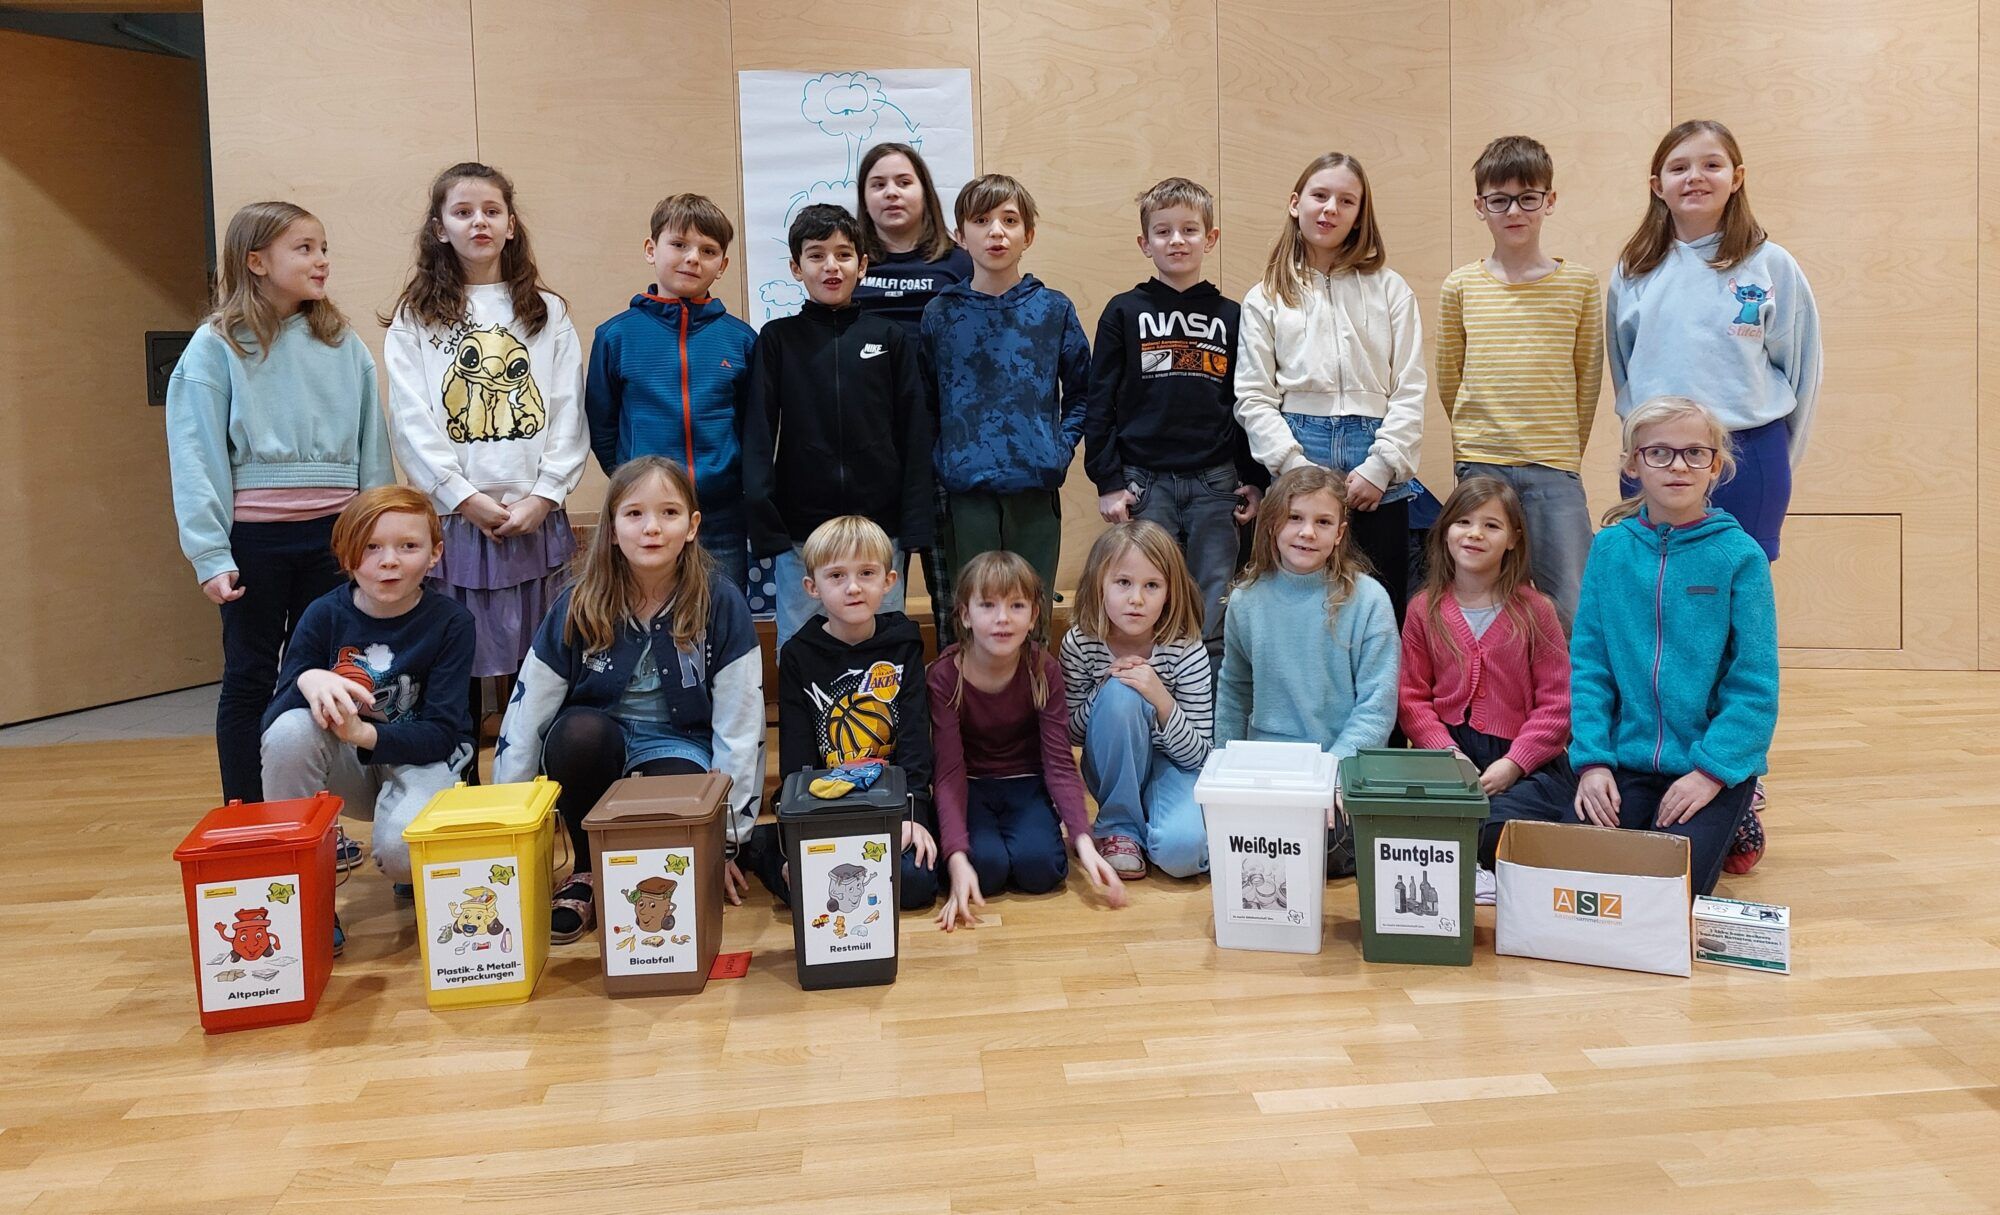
250	943
1267	877
649	911
803	137
846	889
1416	887
472	911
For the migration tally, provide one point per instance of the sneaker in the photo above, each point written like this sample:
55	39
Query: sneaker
346	852
404	892
1748	846
1122	851
573	911
339	937
1484	887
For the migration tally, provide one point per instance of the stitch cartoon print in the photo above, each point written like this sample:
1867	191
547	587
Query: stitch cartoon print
489	390
1750	298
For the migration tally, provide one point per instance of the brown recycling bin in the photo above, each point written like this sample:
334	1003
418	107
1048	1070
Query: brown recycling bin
656	845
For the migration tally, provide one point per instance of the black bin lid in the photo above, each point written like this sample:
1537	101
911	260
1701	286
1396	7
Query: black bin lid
888	795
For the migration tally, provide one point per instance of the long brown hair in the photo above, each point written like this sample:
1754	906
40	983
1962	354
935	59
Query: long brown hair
606	593
1514	583
1362	252
1181	614
435	294
1344	568
997	575
1667	409
241	307
933	237
1741	233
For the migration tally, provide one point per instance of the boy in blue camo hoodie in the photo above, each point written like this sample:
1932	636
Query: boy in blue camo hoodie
1012	368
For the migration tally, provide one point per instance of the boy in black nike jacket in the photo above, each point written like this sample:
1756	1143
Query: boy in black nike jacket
838	421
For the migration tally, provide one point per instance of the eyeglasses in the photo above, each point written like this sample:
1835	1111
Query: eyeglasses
1663	457
1529	200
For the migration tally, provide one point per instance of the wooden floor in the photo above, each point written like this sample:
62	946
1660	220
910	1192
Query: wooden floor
1062	1055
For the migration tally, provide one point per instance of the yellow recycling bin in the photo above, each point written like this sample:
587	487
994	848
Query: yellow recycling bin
481	856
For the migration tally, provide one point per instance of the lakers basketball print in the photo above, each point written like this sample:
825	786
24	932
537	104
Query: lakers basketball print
489	389
857	715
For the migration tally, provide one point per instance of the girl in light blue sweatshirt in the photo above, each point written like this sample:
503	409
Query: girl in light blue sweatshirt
1309	644
1705	305
273	426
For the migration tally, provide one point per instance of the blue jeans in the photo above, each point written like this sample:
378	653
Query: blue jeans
1559	531
1015	837
1341	444
1198	510
1383	534
795	607
1141	794
726	535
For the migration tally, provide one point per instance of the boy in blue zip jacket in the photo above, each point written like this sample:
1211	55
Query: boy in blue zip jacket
1674	663
1012	368
669	376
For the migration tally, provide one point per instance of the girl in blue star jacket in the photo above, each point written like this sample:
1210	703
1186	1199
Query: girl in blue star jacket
1674	663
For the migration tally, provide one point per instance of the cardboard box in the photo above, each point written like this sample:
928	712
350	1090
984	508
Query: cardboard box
1593	895
1754	936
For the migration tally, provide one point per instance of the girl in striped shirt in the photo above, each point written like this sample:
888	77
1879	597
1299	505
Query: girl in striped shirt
1141	700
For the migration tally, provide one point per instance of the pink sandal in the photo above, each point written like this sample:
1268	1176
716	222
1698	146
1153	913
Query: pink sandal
1122	851
573	913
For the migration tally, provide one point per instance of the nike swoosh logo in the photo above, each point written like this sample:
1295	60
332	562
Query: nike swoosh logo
872	349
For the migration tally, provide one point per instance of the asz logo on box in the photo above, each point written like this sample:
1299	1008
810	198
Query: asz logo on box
1163	324
1590	903
1257	845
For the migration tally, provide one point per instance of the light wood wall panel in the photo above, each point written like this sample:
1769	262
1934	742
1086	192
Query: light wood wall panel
1988	368
1088	104
1860	132
1855	560
101	222
1589	79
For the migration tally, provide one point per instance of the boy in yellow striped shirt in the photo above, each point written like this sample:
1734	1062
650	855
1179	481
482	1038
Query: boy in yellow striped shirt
1520	356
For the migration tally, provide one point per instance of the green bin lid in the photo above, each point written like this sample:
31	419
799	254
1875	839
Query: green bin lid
1386	780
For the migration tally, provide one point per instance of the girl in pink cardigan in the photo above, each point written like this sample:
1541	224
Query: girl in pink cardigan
1485	668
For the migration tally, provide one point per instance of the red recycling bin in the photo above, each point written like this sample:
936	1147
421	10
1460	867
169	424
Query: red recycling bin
259	885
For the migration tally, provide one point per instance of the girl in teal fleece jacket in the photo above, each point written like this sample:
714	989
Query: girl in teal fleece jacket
1674	662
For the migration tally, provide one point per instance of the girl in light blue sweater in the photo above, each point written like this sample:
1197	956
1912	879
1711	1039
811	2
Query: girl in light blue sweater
273	426
1309	643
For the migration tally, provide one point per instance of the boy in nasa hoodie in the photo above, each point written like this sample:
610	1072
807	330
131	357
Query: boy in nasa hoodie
1160	436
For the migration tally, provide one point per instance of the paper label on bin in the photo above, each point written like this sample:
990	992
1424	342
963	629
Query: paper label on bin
472	923
1416	886
248	937
647	900
846	888
1267	876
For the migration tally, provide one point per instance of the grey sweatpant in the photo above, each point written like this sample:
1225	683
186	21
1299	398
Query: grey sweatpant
300	759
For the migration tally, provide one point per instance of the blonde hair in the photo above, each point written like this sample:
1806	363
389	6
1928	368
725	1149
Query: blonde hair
357	520
241	306
606	594
847	536
998	575
1176	192
1741	233
1180	616
1514	584
1660	410
1348	563
1362	252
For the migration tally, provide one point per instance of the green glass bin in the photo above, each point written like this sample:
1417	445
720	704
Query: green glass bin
1416	834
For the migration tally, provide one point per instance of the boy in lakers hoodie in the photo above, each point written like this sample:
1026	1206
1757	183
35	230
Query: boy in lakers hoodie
669	376
1012	368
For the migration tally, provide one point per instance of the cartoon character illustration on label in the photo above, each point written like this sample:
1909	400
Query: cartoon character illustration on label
845	884
250	938
489	390
874	850
479	913
677	864
390	699
1752	298
653	903
281	892
500	875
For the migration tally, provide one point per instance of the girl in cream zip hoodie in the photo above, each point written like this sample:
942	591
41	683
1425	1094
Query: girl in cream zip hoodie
1330	366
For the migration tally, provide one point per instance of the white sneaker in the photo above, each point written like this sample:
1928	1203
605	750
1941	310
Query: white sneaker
1484	887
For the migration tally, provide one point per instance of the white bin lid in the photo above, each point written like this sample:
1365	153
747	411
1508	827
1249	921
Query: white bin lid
1268	773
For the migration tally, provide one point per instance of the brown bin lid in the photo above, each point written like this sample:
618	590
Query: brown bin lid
660	801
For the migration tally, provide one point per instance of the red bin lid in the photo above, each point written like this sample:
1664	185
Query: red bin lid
260	826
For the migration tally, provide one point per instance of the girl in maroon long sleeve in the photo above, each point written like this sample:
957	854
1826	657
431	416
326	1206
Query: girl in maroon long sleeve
1006	784
1485	667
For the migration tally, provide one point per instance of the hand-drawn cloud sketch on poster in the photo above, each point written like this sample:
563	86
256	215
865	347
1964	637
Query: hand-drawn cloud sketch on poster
804	134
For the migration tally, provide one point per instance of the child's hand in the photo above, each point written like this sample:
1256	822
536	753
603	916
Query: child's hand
1597	798
1116	506
357	731
734	884
1337	812
1500	777
1252	499
918	837
524	516
486	514
1100	872
1362	494
964	895
1139	675
1686	797
333	699
222	588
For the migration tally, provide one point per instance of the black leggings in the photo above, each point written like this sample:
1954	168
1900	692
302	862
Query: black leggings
585	754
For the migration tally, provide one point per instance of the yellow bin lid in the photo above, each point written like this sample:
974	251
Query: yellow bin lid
485	809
